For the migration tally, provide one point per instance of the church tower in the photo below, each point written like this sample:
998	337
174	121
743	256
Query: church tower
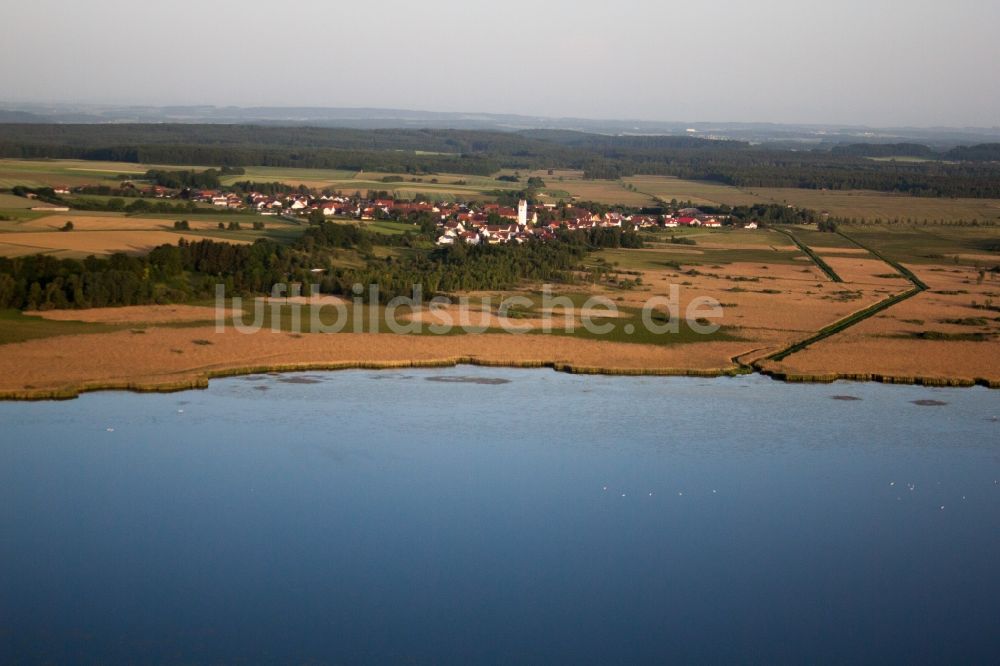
522	213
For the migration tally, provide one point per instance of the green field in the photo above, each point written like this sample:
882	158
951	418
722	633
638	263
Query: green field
699	193
821	241
18	327
448	187
760	247
932	244
54	173
391	228
881	205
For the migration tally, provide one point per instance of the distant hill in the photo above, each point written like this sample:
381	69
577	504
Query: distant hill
984	152
778	135
885	150
20	117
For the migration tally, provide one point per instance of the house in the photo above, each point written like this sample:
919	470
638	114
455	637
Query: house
688	222
642	221
711	222
507	213
750	225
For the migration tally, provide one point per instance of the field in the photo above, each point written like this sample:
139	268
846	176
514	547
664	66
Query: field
880	205
105	233
931	244
561	185
697	192
859	204
53	173
447	186
568	185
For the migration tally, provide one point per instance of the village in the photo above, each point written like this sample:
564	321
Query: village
472	223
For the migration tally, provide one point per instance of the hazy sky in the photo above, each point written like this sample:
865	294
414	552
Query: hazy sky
879	62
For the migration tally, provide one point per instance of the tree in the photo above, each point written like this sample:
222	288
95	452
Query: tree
67	227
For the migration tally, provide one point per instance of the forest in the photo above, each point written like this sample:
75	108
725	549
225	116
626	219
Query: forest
965	171
190	270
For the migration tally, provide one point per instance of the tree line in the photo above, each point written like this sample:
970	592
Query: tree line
975	171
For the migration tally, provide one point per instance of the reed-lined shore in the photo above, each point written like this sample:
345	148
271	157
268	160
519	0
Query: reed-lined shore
71	392
175	359
170	359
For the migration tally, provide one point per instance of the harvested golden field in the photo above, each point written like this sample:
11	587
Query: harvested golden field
84	243
135	314
86	221
187	357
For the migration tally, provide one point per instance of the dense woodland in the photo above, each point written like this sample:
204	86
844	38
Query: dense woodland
972	171
191	269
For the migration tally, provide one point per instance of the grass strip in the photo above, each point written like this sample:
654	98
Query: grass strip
818	260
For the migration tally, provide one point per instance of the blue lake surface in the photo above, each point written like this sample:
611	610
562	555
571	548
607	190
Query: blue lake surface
493	515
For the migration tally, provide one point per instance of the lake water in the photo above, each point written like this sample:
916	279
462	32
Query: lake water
470	514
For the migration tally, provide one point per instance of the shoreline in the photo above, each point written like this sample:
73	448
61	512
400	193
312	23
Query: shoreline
202	380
